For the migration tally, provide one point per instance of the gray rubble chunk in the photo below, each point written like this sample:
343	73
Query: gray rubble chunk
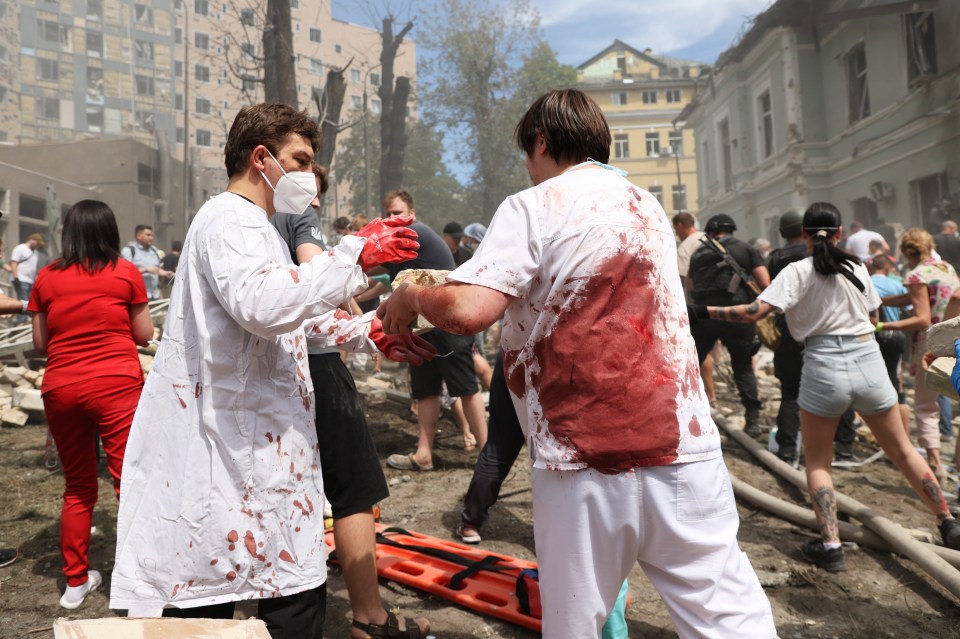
938	376
940	337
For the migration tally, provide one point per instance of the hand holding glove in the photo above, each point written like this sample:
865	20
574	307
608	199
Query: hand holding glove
401	348
388	240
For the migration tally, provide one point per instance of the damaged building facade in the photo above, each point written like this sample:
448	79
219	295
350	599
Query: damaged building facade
851	102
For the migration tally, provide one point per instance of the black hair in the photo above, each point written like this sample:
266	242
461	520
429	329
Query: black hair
140	228
821	222
91	239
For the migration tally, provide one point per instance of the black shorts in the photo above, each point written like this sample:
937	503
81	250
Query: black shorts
353	480
456	369
893	347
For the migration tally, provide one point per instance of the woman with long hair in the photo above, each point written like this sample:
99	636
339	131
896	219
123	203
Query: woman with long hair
831	307
930	284
89	313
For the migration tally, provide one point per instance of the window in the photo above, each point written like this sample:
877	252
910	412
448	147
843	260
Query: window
249	83
356	102
178	68
618	98
52	32
201	41
145	85
657	192
146	120
143	51
355	75
375	79
675	139
203	106
248	50
857	89
723	132
622	62
375	105
143	14
316	66
201	73
179	135
47	69
178	102
201	7
94	44
49	108
621	146
248	18
146	178
673	95
203	137
705	159
94	84
679	197
921	46
315	35
649	97
929	194
294	4
765	110
94	10
338	48
653	144
94	118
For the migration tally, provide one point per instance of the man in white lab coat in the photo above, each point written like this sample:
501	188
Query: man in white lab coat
221	497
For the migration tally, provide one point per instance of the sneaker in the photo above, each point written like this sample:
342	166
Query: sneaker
751	427
74	595
468	533
8	556
950	531
830	560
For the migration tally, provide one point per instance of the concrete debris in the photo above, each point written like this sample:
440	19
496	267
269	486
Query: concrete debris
12	374
770	579
13	417
938	376
28	399
6	390
940	337
379	383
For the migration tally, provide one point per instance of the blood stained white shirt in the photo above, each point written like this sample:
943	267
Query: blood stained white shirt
597	347
221	497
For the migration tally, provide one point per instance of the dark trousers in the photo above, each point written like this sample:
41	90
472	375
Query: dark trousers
788	366
740	342
298	616
504	441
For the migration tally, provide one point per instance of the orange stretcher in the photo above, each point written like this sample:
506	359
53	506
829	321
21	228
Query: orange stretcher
477	579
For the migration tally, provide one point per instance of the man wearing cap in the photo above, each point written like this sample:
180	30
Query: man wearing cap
714	280
452	235
473	235
24	264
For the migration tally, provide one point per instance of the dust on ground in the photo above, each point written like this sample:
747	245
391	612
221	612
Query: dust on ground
881	596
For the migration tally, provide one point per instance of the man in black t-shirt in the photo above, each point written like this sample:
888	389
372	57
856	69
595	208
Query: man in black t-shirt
714	283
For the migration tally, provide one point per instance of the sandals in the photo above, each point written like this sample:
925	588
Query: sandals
391	628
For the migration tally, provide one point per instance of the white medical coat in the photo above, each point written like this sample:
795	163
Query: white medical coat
222	497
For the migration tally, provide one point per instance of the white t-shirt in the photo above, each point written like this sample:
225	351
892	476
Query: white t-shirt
27	260
859	243
686	250
822	305
598	354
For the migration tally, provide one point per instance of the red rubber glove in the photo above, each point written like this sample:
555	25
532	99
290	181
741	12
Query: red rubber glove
401	348
388	241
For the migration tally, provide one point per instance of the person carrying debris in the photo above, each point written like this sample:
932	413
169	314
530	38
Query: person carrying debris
603	372
89	314
831	307
222	496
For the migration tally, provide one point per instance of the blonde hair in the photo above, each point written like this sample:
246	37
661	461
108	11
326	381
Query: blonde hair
916	244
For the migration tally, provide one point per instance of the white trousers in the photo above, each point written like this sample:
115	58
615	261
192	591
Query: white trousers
679	522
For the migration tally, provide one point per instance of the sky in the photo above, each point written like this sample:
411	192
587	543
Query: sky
577	29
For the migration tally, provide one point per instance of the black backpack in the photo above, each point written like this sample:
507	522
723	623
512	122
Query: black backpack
712	277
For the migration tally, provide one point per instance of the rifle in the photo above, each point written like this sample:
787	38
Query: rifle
738	270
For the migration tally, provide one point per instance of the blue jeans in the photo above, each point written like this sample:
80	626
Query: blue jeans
946	415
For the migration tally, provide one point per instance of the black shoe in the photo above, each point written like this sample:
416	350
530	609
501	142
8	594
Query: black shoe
7	556
830	560
752	428
950	531
843	452
789	458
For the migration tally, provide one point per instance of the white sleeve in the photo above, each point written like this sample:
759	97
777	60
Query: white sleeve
784	290
338	329
270	298
508	258
20	253
873	298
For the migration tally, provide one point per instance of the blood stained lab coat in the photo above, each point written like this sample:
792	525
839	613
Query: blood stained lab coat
221	495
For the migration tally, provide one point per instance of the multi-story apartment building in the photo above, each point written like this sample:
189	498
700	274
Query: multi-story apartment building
169	73
641	95
849	101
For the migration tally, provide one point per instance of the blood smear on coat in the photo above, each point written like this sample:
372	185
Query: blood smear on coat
250	543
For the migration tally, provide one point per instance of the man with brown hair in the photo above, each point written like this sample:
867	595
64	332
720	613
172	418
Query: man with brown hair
222	496
602	370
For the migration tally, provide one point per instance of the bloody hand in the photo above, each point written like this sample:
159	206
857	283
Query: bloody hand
399	310
388	240
402	348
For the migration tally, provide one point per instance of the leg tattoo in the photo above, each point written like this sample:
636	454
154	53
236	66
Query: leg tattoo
825	502
933	492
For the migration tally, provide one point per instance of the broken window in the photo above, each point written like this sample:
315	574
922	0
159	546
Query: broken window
921	46
765	109
94	84
143	14
857	89
143	51
94	44
47	69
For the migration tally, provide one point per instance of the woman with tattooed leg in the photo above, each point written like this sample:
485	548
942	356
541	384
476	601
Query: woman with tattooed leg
831	306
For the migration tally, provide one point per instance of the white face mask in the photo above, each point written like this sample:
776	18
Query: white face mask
294	190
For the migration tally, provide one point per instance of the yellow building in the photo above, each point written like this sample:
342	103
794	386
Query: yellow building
641	95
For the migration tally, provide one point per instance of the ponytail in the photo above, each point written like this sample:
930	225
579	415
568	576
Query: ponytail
821	222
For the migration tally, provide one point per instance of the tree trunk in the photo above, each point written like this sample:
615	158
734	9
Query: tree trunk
279	70
330	105
391	158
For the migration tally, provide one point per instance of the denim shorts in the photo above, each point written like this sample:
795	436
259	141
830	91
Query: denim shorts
844	371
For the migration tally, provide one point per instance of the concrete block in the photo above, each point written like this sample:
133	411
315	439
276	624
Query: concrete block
421	277
940	337
12	374
31	376
125	628
13	417
938	376
28	399
6	390
22	383
378	383
6	402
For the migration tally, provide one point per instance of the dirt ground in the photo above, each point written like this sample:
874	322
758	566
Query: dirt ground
881	595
